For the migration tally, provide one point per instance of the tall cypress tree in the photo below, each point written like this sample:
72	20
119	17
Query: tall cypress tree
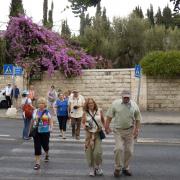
98	9
50	18
167	17
45	10
159	17
16	8
65	30
150	15
82	23
138	12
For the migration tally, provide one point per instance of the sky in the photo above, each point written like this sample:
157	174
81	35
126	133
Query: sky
114	8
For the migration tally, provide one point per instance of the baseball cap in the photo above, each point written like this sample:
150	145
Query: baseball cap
75	91
126	93
25	92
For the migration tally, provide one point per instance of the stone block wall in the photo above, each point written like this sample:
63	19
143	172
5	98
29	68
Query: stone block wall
4	80
106	85
103	85
163	94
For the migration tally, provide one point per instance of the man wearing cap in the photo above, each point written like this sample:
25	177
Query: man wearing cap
75	109
126	124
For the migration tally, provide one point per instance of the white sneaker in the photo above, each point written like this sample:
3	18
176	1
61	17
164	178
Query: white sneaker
98	171
91	172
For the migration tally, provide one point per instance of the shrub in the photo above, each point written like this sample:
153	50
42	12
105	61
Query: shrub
30	45
162	64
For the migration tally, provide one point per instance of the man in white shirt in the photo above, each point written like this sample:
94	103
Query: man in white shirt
76	103
8	90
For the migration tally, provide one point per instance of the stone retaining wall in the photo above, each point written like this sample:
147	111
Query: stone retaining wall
163	94
106	85
103	85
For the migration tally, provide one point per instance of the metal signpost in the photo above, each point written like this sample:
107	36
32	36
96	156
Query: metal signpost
138	75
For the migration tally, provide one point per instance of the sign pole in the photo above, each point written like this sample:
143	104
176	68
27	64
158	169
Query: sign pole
139	88
14	81
138	75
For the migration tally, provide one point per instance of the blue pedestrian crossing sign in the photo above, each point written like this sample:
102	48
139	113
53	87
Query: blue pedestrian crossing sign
18	71
8	69
138	70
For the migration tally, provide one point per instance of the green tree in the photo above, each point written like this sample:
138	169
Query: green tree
16	8
138	12
128	34
82	23
65	30
150	15
159	17
50	17
155	39
98	9
176	20
2	52
167	17
45	11
79	6
173	43
96	34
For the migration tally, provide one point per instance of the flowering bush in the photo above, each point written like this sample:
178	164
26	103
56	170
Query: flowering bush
30	45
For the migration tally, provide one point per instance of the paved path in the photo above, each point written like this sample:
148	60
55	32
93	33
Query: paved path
67	159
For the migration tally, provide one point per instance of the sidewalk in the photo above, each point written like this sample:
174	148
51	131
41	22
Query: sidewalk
147	117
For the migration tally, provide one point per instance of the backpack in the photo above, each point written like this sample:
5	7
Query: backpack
28	110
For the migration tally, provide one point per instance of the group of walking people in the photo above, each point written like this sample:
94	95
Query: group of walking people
124	113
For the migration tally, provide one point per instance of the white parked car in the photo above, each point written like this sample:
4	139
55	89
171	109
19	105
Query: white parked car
3	102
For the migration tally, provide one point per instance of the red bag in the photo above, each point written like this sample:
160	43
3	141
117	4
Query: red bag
28	110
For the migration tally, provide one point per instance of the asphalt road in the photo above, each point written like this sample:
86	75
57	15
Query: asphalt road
152	161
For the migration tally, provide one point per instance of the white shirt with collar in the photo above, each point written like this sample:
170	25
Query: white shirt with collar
76	101
8	91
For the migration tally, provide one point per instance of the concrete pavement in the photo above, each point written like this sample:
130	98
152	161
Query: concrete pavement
148	117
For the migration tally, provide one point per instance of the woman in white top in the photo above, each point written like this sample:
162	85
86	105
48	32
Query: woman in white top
93	143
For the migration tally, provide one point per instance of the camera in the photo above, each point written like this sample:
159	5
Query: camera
89	125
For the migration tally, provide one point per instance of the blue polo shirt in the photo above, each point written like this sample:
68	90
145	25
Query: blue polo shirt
62	107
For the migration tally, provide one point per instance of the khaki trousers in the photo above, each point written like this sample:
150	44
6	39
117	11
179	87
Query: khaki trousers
76	125
124	147
93	150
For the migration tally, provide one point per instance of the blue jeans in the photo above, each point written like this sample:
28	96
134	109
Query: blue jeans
26	128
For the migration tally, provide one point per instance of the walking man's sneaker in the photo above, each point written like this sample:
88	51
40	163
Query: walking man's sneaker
91	171
116	173
126	172
98	171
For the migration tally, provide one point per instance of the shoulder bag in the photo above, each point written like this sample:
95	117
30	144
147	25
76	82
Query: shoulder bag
101	132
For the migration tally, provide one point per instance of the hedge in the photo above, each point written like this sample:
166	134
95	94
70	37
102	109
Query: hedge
162	64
